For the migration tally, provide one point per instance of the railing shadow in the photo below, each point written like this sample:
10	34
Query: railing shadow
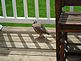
10	43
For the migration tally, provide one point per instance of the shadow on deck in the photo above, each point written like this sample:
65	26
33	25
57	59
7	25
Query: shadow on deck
22	44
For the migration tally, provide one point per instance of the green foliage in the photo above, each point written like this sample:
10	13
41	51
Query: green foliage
25	25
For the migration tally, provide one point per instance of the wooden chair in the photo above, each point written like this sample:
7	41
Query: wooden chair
65	22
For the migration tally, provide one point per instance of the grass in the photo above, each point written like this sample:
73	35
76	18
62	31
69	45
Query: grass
25	25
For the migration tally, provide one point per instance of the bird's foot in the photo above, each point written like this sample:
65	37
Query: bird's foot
41	37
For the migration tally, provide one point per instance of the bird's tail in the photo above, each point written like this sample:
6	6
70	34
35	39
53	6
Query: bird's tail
47	33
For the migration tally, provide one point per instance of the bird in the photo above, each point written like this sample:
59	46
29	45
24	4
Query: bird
39	29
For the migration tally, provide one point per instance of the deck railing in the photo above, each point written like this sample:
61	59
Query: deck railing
26	19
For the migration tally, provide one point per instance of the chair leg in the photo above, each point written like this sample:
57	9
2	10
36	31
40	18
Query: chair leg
62	52
58	35
62	46
66	44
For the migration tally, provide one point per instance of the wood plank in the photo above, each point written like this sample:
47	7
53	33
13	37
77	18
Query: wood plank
74	38
72	3
73	58
71	18
27	45
28	52
23	30
30	38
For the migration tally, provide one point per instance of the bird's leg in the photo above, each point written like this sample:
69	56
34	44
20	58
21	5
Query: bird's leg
40	35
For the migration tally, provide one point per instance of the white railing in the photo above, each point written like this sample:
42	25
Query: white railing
71	8
26	19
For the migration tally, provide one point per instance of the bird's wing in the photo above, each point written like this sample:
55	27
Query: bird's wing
39	28
43	28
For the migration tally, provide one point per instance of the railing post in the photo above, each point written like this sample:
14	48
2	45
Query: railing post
3	8
36	9
71	8
14	8
48	8
25	8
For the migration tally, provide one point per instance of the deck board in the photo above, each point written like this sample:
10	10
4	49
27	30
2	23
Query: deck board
23	44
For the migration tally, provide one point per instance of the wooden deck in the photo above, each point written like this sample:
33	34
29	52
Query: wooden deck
22	44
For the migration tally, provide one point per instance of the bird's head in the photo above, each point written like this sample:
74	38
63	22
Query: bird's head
35	22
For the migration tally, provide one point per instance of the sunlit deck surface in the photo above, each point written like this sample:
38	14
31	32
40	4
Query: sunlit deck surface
23	44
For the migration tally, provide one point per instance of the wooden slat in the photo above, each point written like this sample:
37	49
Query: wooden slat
74	39
25	40
43	49
28	52
73	58
72	2
28	45
71	19
77	53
